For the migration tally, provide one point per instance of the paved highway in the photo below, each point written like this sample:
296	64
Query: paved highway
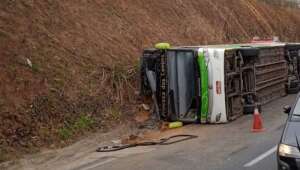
219	147
229	146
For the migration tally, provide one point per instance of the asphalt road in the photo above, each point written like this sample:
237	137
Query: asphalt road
229	146
261	155
219	147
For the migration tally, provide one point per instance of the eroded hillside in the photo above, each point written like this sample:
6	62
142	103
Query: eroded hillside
71	66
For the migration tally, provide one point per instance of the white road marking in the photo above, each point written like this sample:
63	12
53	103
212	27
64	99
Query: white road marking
261	157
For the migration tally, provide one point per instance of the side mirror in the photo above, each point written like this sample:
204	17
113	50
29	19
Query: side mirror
287	109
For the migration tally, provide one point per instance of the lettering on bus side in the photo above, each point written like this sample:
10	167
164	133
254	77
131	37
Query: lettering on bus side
218	87
163	85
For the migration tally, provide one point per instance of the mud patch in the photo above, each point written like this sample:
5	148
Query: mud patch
142	116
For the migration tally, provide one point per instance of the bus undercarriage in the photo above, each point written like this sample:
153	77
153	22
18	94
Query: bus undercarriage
217	84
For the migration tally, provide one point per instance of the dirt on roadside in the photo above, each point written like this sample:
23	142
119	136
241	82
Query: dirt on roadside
71	67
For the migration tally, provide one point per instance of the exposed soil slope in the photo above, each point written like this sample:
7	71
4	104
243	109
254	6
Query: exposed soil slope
64	59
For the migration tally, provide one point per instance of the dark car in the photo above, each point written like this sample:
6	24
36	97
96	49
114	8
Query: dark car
289	147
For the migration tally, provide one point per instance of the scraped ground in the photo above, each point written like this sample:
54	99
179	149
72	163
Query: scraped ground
64	62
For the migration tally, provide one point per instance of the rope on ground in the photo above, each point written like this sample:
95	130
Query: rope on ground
163	141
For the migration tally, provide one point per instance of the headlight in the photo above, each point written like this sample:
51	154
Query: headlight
288	151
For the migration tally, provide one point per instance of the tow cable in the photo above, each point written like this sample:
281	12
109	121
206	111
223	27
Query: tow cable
163	141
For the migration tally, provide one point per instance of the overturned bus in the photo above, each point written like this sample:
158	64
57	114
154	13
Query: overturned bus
217	83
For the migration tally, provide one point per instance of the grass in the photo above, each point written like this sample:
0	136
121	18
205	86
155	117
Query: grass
121	81
35	68
65	133
82	123
2	156
5	155
114	113
58	83
4	34
1	103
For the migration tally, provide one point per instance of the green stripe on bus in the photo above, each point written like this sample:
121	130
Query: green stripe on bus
204	87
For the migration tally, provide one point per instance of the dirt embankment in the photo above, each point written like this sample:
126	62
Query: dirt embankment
71	66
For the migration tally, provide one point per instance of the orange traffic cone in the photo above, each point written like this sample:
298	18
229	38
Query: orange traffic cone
257	122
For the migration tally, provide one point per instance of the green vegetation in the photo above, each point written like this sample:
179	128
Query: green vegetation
2	157
82	123
35	68
114	112
65	133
